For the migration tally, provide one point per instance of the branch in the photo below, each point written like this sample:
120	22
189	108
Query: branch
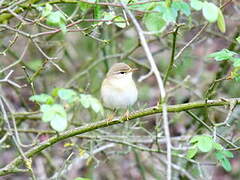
106	123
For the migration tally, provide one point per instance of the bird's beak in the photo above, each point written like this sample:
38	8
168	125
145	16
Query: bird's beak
133	69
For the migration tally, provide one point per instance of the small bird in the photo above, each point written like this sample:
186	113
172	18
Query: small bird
118	90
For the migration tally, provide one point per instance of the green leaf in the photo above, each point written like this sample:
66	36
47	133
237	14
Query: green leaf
226	164
205	143
181	6
195	139
89	101
59	123
221	21
154	22
56	115
236	62
67	95
223	161
196	4
56	19
224	54
34	64
47	10
80	178
210	12
238	39
192	152
120	24
169	15
42	99
217	146
227	153
96	105
84	100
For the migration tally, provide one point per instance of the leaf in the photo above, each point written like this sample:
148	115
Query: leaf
56	115
169	15
181	6
223	161
221	21
56	19
210	12
192	152
195	139
236	62
227	153
80	178
96	105
47	10
120	24
238	39
67	95
109	16
205	143
34	64
226	164
224	54
42	99
217	146
59	123
196	4
84	100
90	101
154	22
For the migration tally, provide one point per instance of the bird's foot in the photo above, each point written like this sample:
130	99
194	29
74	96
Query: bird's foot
126	115
110	117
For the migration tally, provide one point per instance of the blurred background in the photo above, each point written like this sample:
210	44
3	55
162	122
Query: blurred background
76	54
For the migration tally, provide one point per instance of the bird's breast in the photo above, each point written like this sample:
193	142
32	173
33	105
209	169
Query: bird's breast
119	94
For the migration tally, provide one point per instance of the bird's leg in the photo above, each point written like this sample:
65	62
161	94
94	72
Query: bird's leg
111	116
126	114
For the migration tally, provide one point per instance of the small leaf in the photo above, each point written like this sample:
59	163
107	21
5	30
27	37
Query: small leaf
192	152
221	21
238	39
59	123
154	22
96	105
67	95
210	12
227	153
55	18
47	10
84	100
224	54
120	24
205	143
80	178
42	98
217	146
226	164
181	6
195	139
34	64
169	15
196	4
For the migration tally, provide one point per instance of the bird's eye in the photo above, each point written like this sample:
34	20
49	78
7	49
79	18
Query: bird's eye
122	72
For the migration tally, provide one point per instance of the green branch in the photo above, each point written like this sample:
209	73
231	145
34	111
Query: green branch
12	166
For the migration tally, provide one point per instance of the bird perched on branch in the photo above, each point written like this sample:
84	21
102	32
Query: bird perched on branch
118	90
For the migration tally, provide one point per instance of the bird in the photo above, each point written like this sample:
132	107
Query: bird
118	89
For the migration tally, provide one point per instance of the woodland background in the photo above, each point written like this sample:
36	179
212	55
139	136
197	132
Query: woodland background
54	56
